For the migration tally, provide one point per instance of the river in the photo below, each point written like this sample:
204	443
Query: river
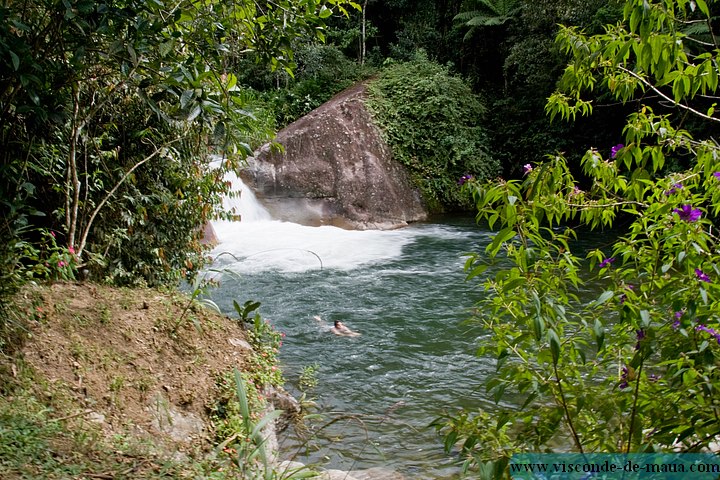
405	292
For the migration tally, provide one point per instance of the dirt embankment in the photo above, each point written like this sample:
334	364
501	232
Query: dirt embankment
130	366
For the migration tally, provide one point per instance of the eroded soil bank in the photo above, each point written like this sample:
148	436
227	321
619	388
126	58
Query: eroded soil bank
115	383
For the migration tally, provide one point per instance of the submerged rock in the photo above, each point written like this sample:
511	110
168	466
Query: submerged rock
335	170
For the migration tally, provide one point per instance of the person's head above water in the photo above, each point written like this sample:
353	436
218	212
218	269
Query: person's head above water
337	323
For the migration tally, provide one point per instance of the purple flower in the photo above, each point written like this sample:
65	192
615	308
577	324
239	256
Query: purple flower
623	297
709	330
716	175
640	336
702	276
575	191
678	316
688	214
527	168
623	379
465	178
674	188
614	150
607	262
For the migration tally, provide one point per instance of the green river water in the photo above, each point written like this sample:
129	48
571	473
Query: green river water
405	291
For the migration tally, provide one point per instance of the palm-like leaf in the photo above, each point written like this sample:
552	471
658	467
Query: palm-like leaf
488	13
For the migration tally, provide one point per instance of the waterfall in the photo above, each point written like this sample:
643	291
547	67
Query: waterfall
259	243
246	204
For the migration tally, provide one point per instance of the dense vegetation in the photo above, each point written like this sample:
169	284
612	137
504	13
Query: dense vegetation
111	110
430	120
109	113
636	369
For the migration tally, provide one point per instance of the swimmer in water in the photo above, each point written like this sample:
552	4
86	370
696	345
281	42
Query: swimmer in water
340	329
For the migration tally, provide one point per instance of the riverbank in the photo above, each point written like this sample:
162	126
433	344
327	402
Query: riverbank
125	383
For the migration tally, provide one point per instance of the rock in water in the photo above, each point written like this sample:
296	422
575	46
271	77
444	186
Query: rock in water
335	170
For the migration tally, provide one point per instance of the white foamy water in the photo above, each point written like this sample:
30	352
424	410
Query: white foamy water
257	243
246	204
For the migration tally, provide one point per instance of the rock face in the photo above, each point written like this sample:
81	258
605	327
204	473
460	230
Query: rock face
335	170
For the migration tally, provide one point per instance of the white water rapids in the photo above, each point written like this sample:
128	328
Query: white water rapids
266	244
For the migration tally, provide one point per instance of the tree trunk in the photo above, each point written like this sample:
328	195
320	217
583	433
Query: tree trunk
362	39
72	204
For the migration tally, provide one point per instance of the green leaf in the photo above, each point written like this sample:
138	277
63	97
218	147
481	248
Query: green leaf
554	345
529	400
498	393
503	235
133	55
502	419
599	334
324	12
241	394
681	256
231	81
194	113
479	270
645	317
606	295
15	60
703	7
538	327
186	97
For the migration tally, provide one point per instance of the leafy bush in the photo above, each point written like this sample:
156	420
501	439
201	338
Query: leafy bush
635	369
430	119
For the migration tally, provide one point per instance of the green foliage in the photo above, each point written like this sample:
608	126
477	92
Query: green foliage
266	343
308	377
109	111
35	443
245	431
322	71
487	13
636	368
430	119
517	67
246	309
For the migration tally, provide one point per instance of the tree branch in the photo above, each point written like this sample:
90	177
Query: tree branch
107	197
661	94
568	417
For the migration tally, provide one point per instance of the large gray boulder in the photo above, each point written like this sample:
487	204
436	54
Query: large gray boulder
335	170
